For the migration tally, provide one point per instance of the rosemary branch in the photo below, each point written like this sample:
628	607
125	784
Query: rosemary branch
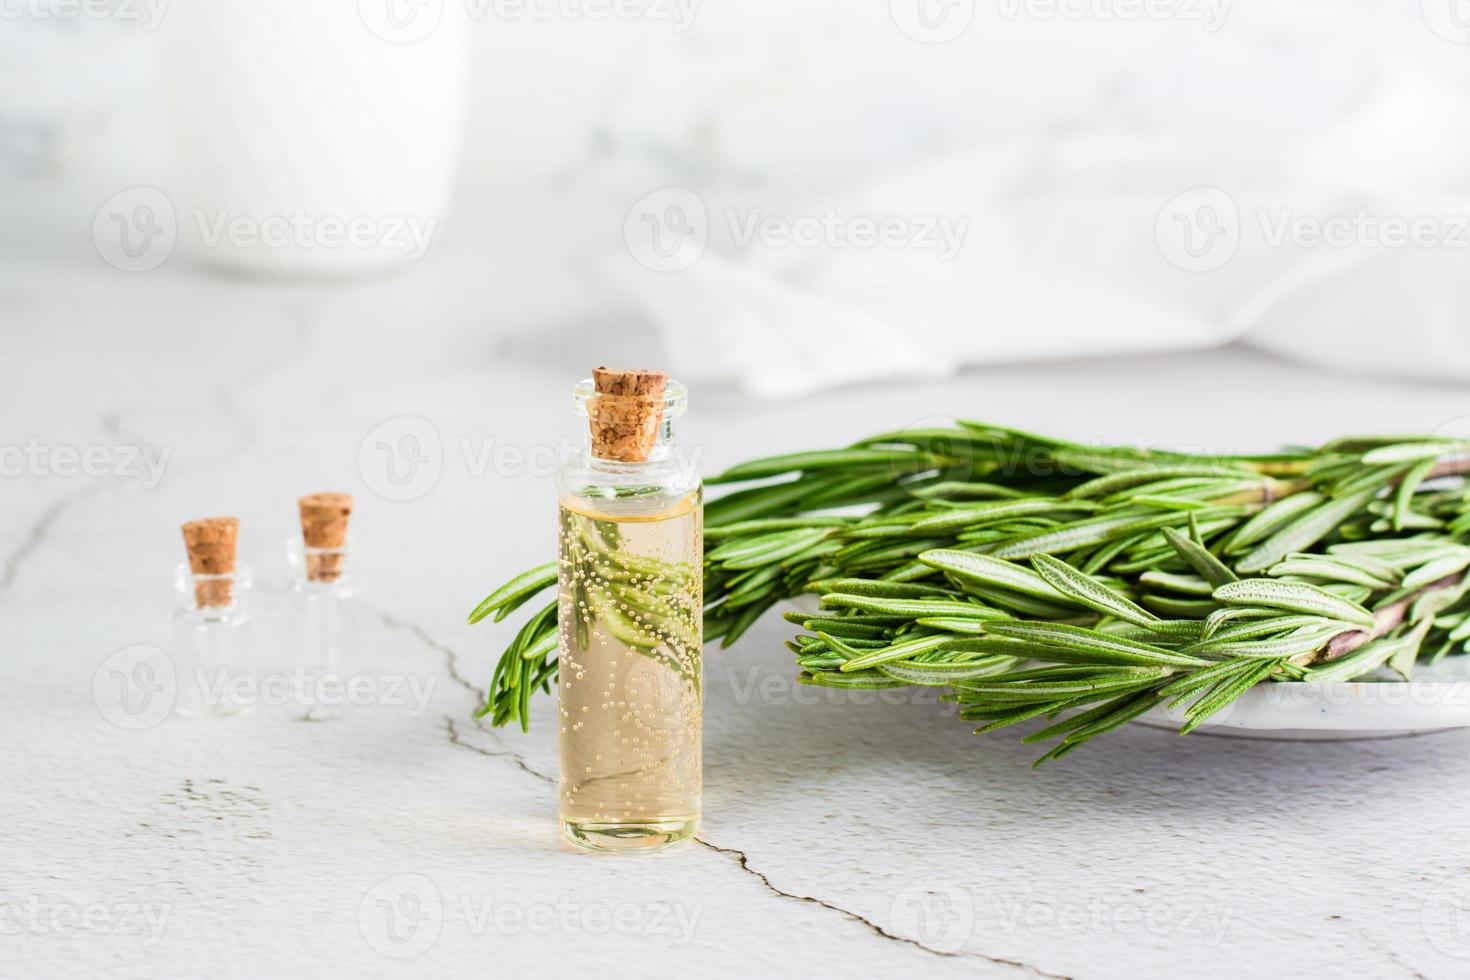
1035	577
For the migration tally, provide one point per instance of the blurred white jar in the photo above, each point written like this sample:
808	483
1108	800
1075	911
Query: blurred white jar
315	136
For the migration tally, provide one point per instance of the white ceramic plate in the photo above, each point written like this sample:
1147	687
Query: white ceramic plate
1436	700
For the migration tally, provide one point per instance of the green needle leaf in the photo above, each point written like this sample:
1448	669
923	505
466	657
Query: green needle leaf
1405	452
1304	641
870	681
512	594
1306	530
1228	691
1102	648
913	607
1088	591
996	572
1437	569
1403	497
1293	597
1105	485
1273	518
1318	567
771	466
898	651
989	513
1212	569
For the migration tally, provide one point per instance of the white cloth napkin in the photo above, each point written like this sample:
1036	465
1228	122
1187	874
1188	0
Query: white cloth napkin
1075	244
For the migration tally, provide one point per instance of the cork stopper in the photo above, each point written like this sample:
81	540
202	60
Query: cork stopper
211	546
324	526
625	413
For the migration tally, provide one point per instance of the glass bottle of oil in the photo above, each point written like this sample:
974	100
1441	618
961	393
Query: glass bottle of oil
630	615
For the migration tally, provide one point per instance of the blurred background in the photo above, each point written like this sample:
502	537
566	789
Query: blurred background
779	197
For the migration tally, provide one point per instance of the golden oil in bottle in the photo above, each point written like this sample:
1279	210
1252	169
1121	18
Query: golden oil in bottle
630	680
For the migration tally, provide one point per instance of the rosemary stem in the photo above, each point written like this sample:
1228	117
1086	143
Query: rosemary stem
1384	620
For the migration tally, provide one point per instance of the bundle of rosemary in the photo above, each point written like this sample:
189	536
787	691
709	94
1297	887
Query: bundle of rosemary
1035	577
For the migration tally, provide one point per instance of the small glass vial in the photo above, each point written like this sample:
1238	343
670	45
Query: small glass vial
211	629
324	615
323	624
630	607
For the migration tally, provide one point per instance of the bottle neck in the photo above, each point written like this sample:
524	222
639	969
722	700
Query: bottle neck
212	596
663	450
324	566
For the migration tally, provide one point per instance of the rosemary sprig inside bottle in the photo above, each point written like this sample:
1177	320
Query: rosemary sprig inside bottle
644	603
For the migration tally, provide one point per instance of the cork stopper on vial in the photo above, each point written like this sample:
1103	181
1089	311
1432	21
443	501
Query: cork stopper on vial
324	530
625	414
211	546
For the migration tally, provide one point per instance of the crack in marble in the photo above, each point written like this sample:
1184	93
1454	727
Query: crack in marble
298	343
451	663
1389	955
451	659
744	863
112	424
223	398
456	739
39	528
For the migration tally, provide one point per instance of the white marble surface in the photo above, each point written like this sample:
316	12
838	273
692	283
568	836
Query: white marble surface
840	838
